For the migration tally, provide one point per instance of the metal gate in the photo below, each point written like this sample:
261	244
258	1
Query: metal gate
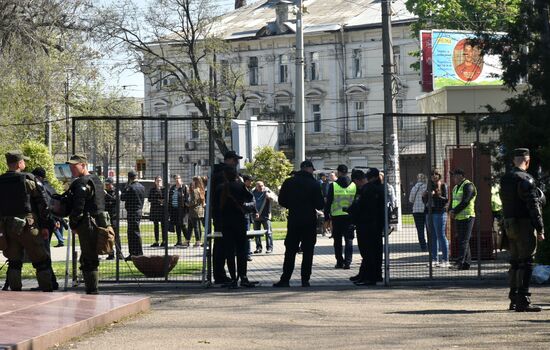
443	143
168	149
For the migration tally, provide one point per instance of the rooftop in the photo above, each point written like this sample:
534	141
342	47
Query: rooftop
259	19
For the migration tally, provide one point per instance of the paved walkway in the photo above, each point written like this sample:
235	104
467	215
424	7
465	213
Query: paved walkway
455	317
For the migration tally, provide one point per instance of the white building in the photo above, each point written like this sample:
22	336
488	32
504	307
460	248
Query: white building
344	84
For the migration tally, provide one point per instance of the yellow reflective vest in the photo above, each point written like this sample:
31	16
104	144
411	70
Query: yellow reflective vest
343	197
469	211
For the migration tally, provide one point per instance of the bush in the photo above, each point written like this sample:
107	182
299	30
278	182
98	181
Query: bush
41	157
270	166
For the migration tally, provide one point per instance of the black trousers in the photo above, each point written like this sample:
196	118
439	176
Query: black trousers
464	231
218	258
306	237
342	228
159	227
370	242
134	235
236	246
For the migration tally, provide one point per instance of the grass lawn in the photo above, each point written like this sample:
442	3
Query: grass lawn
107	270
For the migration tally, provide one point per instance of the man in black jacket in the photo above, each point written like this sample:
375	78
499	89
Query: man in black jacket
133	196
230	159
301	195
368	211
522	211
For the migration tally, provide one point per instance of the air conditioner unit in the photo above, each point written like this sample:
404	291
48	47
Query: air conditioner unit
184	158
190	145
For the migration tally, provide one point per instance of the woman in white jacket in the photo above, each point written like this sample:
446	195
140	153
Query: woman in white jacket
415	198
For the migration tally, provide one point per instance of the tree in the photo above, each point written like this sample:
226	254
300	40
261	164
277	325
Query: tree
270	166
471	15
178	47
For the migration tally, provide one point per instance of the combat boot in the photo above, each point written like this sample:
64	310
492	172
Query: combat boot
523	304
90	281
44	279
14	279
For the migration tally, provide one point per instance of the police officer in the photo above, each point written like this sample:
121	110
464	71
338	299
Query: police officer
230	159
87	201
133	196
340	195
302	196
463	212
368	212
111	208
522	212
24	220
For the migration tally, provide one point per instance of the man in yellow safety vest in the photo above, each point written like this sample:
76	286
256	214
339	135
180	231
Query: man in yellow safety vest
463	212
340	196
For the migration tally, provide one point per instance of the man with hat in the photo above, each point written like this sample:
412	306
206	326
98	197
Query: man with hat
302	196
24	223
111	208
522	211
368	213
87	204
230	159
133	197
340	195
463	212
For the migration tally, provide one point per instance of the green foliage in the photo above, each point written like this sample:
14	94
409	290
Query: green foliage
472	15
40	157
270	166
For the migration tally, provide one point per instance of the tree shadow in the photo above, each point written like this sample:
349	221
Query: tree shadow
446	312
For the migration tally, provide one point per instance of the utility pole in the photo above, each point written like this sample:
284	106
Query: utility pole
300	141
391	154
48	135
67	117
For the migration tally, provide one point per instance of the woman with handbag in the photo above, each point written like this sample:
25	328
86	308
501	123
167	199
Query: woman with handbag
235	203
438	201
196	208
418	210
157	210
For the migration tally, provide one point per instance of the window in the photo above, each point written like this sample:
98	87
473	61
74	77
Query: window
162	126
255	111
253	70
313	66
360	115
283	68
224	71
195	134
356	61
396	59
316	118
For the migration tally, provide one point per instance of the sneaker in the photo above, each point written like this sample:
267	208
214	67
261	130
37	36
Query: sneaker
249	258
269	251
444	264
434	264
258	251
156	244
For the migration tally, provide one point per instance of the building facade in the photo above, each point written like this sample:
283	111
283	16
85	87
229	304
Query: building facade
343	78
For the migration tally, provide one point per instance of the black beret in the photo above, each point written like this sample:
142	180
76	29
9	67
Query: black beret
458	171
342	168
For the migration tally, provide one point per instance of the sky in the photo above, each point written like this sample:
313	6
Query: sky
130	82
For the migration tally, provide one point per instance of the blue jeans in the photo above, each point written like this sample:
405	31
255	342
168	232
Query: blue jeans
266	224
438	238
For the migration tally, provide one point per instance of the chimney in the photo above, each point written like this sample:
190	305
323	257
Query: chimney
282	9
239	3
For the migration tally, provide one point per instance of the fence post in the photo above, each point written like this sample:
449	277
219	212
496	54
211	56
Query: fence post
166	196
117	193
476	183
71	232
429	221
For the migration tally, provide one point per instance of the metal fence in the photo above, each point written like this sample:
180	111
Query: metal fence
445	142
168	149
